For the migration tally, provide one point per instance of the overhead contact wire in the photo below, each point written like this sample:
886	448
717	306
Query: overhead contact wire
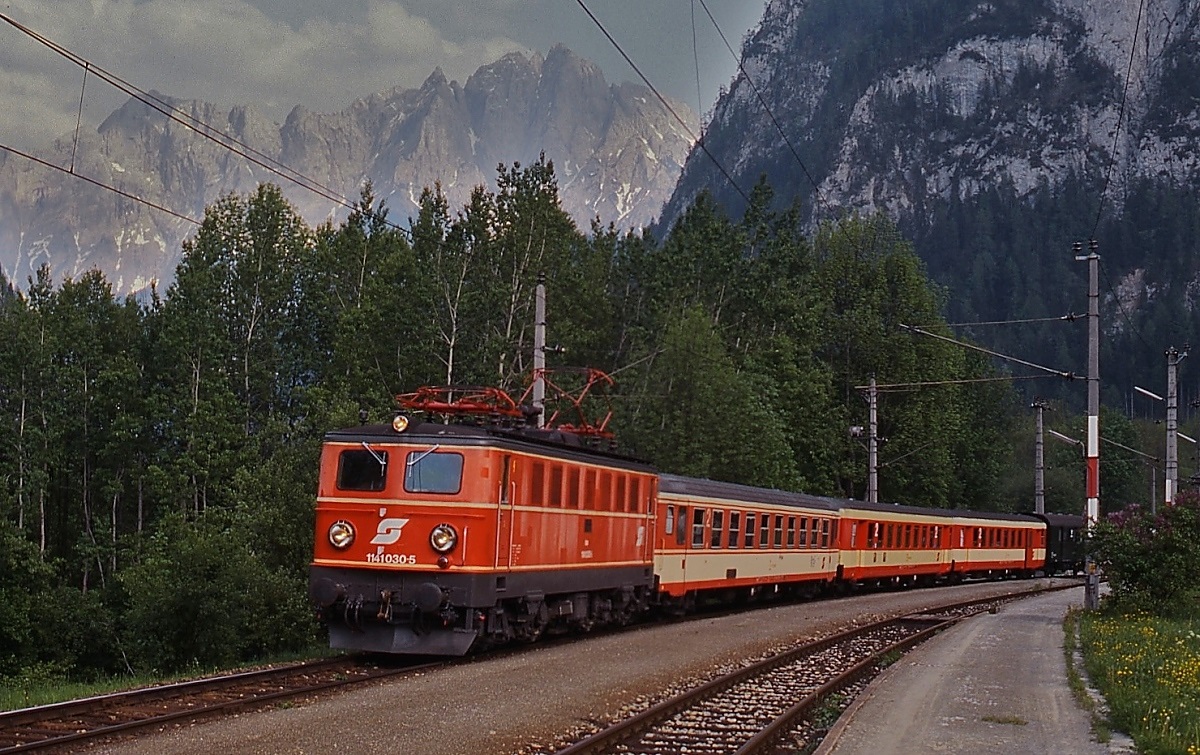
1112	156
699	142
195	125
762	101
94	182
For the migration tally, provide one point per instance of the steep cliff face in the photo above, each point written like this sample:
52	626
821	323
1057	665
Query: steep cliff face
989	132
616	150
899	106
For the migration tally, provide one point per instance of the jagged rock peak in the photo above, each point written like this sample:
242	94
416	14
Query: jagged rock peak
615	162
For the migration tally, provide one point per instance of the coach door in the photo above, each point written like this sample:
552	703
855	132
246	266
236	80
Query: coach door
505	513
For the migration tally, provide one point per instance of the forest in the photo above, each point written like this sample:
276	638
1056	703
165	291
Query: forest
158	454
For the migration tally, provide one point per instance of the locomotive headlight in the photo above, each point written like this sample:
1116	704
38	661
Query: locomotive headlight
341	534
399	423
443	538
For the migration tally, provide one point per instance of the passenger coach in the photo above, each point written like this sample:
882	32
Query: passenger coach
719	540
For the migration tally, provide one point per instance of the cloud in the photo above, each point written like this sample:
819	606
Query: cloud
223	51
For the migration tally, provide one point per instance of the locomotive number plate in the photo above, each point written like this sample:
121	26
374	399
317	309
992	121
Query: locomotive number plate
391	558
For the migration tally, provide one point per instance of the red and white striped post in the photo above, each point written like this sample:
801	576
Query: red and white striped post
1091	599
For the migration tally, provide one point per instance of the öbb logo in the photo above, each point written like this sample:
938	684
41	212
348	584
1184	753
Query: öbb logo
389	530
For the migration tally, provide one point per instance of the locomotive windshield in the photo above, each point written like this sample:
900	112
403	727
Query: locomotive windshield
433	472
362	470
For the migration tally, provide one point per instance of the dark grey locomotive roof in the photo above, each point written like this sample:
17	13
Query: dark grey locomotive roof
549	442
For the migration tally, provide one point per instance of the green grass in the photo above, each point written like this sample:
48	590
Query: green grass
1148	669
39	687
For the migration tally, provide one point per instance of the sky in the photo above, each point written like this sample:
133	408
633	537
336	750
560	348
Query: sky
324	54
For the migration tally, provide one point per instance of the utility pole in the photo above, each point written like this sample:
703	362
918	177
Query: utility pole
1174	357
539	350
872	443
1091	595
1039	460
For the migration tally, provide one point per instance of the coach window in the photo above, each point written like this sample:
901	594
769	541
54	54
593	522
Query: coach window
433	472
604	500
669	525
887	536
802	532
749	541
681	526
635	495
825	528
874	535
362	470
621	504
697	528
815	525
718	528
936	540
764	530
734	531
791	541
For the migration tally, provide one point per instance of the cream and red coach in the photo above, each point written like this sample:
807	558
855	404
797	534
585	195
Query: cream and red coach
891	543
723	541
431	538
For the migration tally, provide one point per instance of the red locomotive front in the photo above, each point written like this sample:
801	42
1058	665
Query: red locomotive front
432	538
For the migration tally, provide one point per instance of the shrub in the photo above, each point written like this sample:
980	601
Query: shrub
1151	559
200	597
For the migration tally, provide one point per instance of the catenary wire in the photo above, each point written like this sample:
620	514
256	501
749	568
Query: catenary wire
195	125
699	142
1112	156
762	101
94	182
1121	308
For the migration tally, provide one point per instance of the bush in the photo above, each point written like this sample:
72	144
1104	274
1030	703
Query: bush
24	581
200	597
1151	560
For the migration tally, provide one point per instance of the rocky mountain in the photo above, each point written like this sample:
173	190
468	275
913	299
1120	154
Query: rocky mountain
900	106
617	153
996	133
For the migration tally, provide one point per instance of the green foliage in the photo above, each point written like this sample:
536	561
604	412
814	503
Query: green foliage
158	462
1151	559
201	596
24	580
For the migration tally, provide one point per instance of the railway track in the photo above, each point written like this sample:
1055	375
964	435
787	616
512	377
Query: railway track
769	706
74	721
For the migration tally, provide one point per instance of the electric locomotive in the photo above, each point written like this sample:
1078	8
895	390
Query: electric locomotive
435	538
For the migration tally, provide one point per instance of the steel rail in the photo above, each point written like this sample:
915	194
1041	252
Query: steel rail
46	725
622	731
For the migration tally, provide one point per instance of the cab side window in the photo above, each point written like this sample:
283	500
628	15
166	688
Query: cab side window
362	470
